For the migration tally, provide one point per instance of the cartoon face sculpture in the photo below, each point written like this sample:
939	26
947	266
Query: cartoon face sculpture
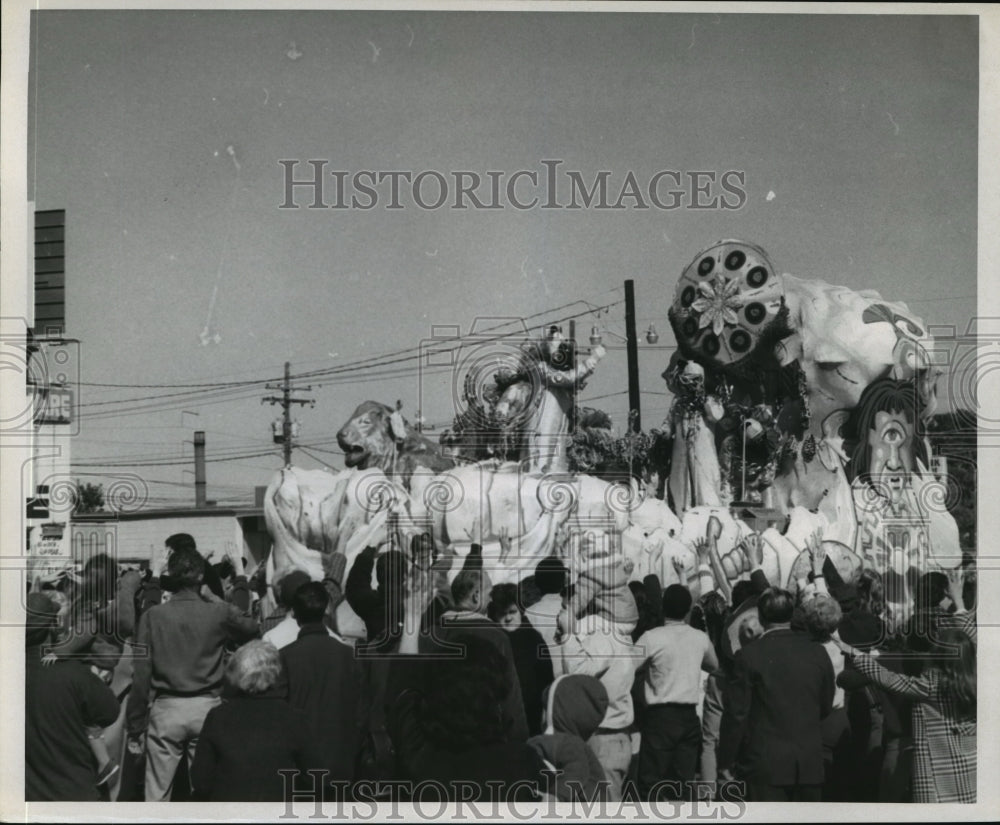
884	421
726	298
890	443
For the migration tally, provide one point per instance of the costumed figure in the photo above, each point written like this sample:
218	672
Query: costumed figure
695	478
548	368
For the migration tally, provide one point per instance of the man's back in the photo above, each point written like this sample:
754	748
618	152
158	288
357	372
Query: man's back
187	636
459	623
324	682
61	700
782	688
677	654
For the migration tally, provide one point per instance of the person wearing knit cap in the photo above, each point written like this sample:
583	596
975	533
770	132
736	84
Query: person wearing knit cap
574	708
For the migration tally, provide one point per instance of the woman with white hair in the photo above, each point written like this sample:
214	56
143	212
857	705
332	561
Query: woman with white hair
248	739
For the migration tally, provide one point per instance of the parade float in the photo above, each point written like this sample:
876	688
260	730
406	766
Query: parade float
797	406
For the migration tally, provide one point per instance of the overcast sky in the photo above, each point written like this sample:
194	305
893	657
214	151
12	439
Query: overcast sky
160	134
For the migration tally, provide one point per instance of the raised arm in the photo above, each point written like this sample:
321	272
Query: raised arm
712	534
361	596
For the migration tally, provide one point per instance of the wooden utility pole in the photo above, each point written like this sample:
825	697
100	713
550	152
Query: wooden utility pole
200	486
286	401
632	349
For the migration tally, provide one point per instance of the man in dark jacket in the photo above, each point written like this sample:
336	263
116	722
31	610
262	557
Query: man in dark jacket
324	682
61	701
781	689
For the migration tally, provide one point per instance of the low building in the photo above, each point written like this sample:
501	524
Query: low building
132	537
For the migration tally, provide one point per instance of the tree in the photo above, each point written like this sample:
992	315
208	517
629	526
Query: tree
89	498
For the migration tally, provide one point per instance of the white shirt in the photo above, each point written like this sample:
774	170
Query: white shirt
287	631
677	654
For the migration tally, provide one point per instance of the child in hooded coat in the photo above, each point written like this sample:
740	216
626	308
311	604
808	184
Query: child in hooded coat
574	708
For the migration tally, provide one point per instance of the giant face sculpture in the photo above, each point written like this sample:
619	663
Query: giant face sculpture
885	449
891	444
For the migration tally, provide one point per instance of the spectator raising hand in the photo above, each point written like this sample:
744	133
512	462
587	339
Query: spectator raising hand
753	547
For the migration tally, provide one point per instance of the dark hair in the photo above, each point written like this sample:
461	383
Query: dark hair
181	541
92	607
931	589
310	602
463	706
502	596
550	575
883	395
871	592
186	567
676	602
775	606
710	613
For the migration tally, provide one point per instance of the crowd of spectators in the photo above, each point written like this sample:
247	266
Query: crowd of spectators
575	684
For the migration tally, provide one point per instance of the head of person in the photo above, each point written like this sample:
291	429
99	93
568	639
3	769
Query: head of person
677	603
931	592
310	602
186	568
749	629
100	577
288	585
470	590
40	621
575	704
550	576
871	592
180	541
822	616
710	614
462	708
775	607
504	608
254	669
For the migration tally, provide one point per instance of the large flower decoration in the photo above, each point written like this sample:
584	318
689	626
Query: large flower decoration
718	303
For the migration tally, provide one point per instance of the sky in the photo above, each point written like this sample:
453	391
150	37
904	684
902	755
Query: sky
160	133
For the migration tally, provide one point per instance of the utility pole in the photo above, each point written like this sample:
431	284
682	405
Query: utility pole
572	341
200	486
286	401
632	349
